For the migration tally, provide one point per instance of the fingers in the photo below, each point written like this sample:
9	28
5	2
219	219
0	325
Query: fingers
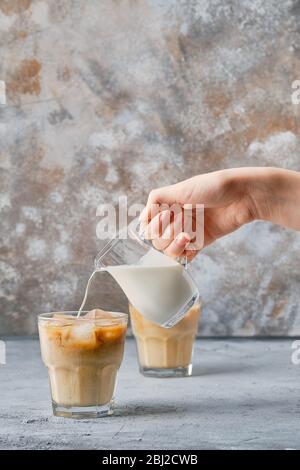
163	221
190	254
157	225
158	200
149	212
178	246
161	244
171	231
168	237
151	209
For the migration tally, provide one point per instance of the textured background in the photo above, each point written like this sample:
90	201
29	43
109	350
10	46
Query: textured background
106	98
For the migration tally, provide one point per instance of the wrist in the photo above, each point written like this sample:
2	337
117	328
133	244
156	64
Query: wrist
274	195
248	186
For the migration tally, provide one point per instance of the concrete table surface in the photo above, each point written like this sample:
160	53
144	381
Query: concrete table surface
244	394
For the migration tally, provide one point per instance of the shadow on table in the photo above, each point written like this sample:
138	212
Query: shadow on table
144	410
218	369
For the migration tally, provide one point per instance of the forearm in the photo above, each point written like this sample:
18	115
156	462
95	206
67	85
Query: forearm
274	195
231	198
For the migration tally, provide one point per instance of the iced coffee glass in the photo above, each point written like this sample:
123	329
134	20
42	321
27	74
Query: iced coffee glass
83	356
165	352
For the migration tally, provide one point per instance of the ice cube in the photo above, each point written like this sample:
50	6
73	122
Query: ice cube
113	332
62	319
96	313
83	334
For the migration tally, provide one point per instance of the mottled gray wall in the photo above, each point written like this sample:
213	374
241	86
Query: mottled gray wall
106	98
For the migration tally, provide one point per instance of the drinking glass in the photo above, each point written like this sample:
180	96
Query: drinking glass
165	352
83	356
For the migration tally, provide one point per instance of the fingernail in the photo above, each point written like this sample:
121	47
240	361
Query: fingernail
183	239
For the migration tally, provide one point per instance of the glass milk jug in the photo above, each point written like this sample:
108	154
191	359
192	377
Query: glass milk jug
159	287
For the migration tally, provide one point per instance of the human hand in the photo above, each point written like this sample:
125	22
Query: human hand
231	198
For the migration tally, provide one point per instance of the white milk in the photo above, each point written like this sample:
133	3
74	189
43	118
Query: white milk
158	286
85	294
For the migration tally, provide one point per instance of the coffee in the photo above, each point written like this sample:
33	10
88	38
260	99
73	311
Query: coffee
166	350
83	356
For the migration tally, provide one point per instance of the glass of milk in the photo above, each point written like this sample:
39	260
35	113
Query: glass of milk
159	287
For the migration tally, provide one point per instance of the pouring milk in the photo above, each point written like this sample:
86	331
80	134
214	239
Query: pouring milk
157	286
